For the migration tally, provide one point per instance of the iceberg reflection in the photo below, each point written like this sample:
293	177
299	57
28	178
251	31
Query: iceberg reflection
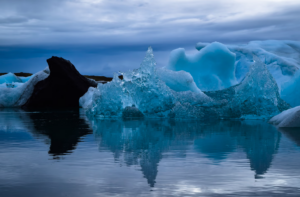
144	142
61	129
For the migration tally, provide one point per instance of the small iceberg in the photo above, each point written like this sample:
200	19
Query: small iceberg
15	91
288	118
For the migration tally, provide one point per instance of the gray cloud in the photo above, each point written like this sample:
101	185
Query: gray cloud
13	20
102	27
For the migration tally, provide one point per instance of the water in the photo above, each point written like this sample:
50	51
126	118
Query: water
63	153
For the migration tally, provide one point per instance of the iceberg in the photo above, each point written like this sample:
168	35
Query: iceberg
16	94
140	87
144	93
288	118
9	78
282	57
256	97
212	68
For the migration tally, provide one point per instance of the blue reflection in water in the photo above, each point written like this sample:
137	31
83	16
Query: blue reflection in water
145	143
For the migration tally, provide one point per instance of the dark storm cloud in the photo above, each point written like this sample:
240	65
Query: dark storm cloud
100	29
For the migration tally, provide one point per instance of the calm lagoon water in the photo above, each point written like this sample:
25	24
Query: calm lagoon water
63	153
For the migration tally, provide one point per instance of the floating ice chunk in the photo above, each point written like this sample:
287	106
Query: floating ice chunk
256	97
213	67
86	100
288	118
282	58
9	78
258	94
140	87
16	97
178	80
290	91
107	99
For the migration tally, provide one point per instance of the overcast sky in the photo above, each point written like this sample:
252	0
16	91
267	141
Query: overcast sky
103	36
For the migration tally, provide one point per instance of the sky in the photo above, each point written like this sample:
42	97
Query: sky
101	37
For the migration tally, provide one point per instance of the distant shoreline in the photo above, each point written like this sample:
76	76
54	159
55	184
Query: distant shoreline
20	74
96	78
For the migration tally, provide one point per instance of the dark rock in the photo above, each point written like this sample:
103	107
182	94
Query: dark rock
132	112
62	89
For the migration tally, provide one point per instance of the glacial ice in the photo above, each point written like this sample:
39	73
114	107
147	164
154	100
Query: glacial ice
16	94
288	118
290	91
219	82
256	97
282	57
141	88
9	78
213	67
178	80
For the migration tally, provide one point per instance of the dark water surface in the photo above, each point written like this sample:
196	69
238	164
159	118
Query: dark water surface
63	153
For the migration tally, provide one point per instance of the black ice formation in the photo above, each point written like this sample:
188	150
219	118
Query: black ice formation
62	89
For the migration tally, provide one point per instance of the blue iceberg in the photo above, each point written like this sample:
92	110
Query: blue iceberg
14	92
153	93
212	68
288	118
9	78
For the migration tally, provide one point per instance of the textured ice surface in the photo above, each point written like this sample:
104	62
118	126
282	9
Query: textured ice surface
142	88
282	57
9	78
288	118
290	91
178	80
256	97
18	95
213	67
